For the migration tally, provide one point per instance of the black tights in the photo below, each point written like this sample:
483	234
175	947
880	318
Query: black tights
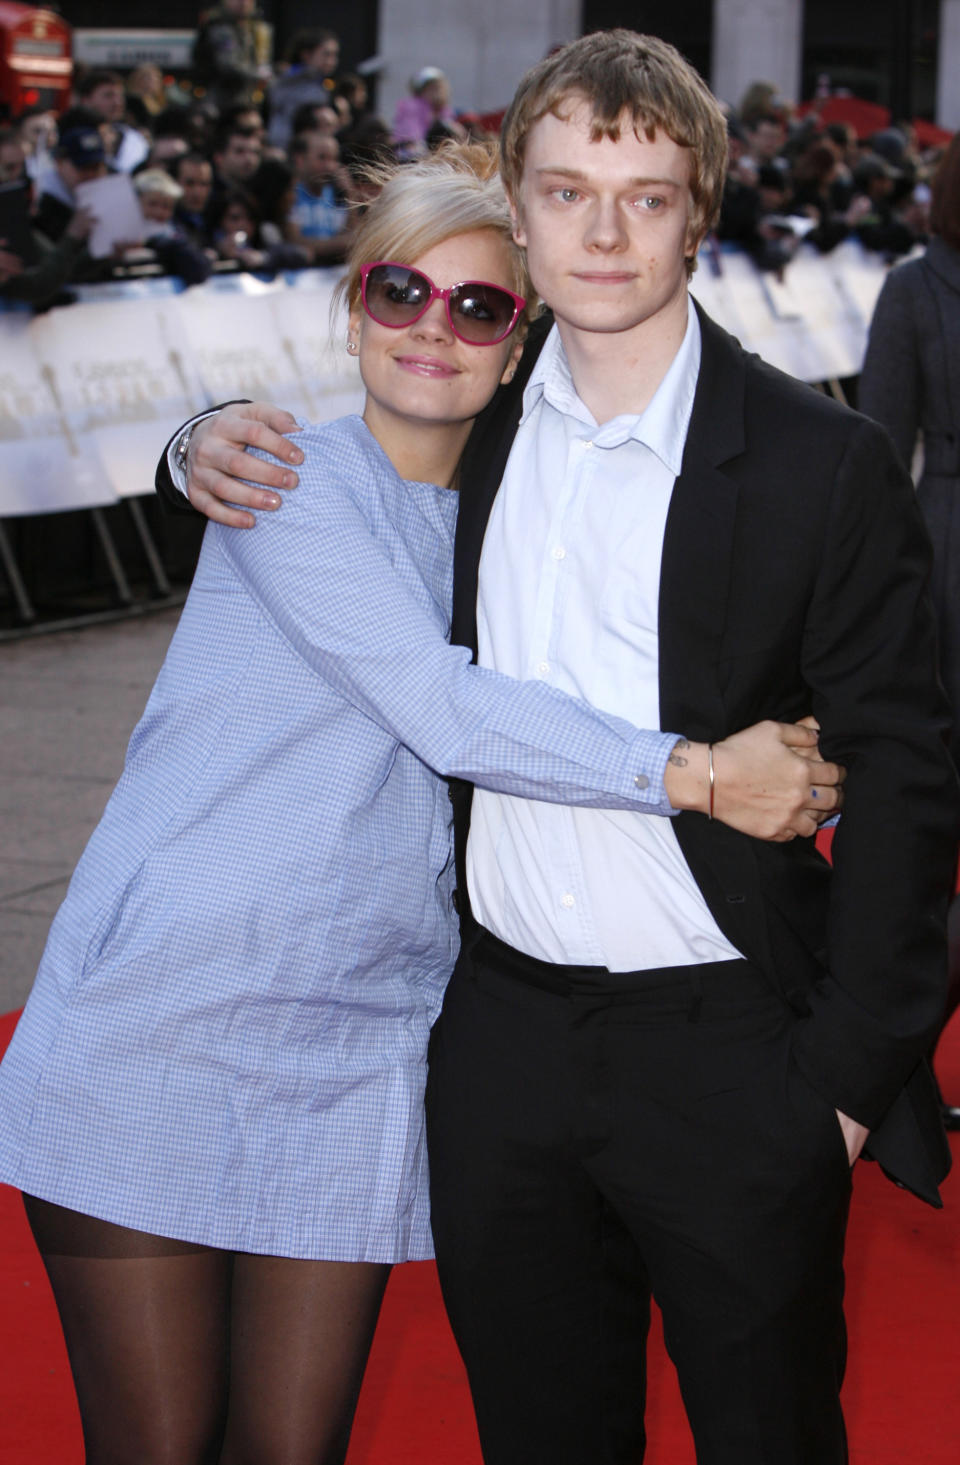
186	1355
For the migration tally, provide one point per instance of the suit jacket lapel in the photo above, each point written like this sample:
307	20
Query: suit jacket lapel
698	541
696	568
481	471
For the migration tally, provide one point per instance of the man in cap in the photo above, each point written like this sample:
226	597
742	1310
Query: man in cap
78	157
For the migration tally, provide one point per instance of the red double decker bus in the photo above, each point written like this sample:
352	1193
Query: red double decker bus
36	60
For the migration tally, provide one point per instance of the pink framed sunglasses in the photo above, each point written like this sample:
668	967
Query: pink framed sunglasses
479	313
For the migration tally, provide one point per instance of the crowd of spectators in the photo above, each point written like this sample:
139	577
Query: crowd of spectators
245	165
794	178
252	164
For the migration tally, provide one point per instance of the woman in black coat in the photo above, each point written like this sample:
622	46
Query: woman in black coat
911	383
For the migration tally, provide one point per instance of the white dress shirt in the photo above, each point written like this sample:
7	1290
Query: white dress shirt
569	593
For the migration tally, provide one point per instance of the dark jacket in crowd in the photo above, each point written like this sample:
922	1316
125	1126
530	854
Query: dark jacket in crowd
911	383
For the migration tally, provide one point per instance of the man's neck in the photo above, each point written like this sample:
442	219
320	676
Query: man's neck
617	373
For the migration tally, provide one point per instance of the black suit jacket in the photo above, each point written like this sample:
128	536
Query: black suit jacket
794	580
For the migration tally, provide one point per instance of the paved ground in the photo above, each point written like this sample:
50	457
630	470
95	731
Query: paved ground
68	703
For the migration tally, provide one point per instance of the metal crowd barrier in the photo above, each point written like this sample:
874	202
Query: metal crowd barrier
90	392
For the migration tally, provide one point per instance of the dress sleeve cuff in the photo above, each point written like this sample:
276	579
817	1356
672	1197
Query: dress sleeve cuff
651	755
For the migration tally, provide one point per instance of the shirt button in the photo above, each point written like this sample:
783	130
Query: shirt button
543	668
587	443
567	901
641	780
559	552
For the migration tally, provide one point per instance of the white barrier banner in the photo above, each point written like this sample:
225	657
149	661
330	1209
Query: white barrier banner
811	322
859	276
767	320
234	343
90	393
714	289
44	466
274	346
315	343
122	381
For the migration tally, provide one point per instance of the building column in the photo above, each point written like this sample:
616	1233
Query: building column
757	40
948	66
484	49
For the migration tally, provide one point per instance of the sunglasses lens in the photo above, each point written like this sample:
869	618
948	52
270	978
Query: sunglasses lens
394	295
481	313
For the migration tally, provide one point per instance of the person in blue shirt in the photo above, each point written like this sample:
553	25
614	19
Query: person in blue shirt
320	215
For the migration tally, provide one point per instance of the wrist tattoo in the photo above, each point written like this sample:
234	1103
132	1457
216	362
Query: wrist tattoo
676	757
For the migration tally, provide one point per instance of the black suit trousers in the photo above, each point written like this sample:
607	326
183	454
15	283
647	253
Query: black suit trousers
596	1137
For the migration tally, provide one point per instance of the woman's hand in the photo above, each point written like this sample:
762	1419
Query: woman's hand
216	462
769	780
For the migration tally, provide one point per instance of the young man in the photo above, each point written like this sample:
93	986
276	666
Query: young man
236	153
320	218
78	158
102	91
665	1043
236	157
194	173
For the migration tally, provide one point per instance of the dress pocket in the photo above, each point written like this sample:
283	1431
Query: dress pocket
111	924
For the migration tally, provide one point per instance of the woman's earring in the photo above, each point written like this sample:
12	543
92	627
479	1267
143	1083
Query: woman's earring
351	347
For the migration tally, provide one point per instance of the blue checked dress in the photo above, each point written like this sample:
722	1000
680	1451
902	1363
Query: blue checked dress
226	1040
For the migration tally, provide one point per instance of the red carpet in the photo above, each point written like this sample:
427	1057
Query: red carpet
902	1396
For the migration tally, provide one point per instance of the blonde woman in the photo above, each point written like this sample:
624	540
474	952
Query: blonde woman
213	1102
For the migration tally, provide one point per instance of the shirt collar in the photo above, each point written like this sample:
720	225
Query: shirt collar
661	427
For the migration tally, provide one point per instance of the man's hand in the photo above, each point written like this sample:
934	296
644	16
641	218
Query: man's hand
216	461
11	264
856	1136
81	223
769	780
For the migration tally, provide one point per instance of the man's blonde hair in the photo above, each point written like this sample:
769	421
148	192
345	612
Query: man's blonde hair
455	190
619	73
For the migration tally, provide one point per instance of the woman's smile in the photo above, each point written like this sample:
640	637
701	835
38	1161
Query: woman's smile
431	366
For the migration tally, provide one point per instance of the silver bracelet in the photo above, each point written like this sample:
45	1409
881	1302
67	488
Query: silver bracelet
182	447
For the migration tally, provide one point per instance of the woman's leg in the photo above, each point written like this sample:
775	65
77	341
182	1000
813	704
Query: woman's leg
146	1326
301	1332
158	1333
